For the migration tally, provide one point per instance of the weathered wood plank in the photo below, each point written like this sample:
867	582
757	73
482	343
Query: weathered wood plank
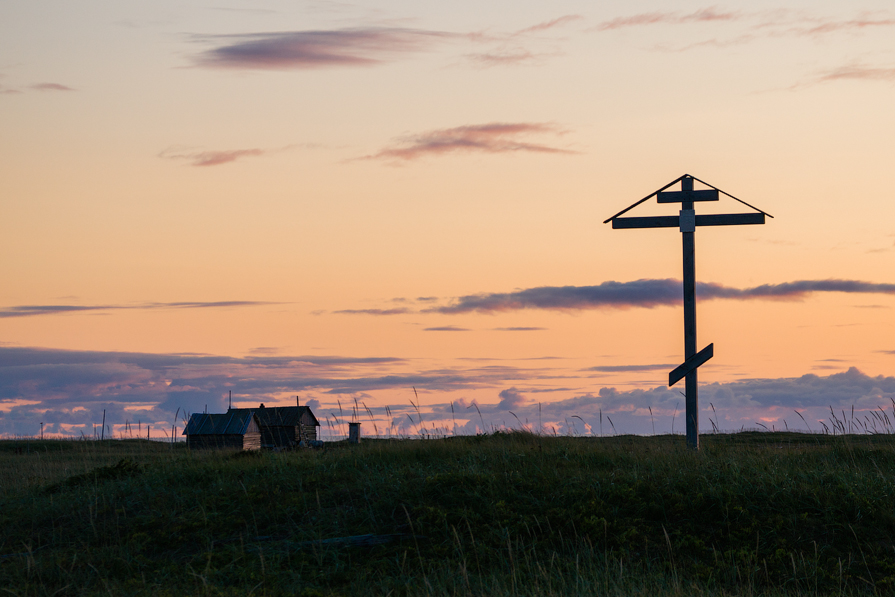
729	219
684	196
691	364
689	256
647	222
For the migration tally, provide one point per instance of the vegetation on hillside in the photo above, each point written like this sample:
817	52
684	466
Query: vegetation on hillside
508	513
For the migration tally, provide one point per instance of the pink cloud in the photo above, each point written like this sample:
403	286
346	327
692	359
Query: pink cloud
777	23
849	25
216	158
502	58
652	18
51	87
211	158
488	138
558	22
858	73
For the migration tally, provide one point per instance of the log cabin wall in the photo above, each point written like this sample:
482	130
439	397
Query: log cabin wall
280	436
238	430
205	442
308	433
251	441
283	426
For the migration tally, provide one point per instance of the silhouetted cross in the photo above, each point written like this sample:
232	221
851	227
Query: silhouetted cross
687	221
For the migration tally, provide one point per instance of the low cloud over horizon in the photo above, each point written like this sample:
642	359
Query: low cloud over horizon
69	390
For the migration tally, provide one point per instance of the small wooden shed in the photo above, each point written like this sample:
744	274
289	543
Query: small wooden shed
233	429
284	426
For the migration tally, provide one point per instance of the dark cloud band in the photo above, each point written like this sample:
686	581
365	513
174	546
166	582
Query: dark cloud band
646	293
364	46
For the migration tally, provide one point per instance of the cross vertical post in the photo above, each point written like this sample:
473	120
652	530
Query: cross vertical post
688	233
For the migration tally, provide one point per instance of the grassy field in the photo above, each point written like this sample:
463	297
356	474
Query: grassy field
503	514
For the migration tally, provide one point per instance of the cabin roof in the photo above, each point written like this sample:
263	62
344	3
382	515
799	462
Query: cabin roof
234	422
279	416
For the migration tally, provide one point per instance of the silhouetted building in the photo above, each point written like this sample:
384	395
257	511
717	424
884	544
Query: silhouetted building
238	429
284	426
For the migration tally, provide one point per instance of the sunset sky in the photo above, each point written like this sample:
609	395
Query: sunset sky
401	204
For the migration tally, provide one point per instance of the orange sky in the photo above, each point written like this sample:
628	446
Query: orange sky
254	182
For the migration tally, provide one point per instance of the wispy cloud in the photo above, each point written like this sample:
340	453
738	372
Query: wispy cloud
394	311
37	87
496	137
857	72
524	46
34	310
447	328
264	351
51	87
811	26
627	368
663	17
551	24
257	11
773	23
646	293
213	157
209	157
753	26
361	46
503	57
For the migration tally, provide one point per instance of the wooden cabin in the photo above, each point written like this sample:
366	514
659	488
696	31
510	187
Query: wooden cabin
284	426
233	429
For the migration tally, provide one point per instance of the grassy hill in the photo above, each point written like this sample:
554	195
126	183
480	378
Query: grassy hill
504	514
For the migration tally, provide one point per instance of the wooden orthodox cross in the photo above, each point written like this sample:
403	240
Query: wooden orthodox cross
687	221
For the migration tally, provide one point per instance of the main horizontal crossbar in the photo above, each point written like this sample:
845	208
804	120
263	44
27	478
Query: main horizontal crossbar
674	221
682	196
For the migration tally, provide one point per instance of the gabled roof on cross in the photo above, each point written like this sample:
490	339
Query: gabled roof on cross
705	220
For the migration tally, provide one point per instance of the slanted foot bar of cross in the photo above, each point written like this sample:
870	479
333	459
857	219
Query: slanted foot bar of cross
681	371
